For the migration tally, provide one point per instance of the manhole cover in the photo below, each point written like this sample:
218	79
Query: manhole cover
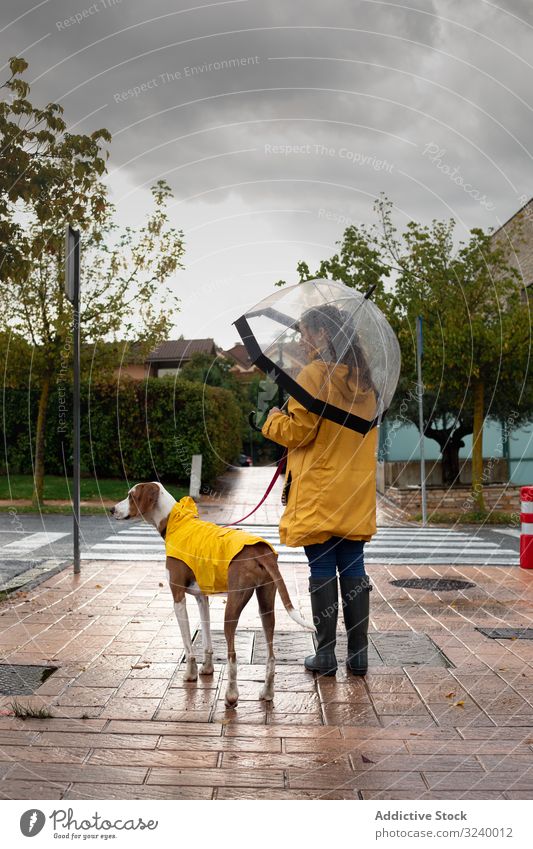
507	633
22	680
433	584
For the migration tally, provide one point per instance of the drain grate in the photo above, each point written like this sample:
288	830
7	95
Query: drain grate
507	633
388	648
23	680
433	584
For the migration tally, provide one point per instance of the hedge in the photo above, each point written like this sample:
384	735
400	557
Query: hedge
139	430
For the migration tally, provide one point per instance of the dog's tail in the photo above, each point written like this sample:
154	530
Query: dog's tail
270	563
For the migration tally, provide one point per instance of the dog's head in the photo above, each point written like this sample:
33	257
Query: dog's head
141	502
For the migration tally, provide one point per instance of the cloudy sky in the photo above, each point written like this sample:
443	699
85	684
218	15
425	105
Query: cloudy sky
278	123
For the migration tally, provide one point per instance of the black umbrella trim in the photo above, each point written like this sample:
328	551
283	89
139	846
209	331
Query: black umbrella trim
314	405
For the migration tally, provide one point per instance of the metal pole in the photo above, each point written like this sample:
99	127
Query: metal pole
72	291
76	406
420	393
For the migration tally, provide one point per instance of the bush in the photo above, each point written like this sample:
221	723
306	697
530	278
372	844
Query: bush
138	429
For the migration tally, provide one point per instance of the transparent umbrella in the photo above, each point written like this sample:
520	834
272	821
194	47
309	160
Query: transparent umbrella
329	346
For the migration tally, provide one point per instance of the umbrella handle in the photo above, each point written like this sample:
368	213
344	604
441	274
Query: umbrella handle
251	420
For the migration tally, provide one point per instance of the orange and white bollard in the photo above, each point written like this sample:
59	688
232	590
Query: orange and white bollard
526	535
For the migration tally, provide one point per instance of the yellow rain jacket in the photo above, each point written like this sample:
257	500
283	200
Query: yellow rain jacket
332	470
205	547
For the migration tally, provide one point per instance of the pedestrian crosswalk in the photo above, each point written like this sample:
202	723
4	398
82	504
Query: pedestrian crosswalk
32	542
391	545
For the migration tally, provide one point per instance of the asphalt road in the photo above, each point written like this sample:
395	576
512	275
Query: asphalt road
29	542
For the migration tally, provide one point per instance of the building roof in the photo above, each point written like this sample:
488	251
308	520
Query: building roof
514	215
240	355
181	349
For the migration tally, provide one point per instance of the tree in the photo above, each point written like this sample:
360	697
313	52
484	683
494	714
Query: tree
45	169
477	322
211	370
123	273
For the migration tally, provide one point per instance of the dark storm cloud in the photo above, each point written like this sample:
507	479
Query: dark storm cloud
320	104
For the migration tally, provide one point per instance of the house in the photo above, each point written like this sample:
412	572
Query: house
170	356
517	232
243	368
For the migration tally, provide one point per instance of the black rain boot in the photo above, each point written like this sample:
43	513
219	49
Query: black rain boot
355	594
325	607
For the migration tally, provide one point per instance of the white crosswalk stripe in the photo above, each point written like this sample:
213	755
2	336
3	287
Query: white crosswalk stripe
398	546
33	542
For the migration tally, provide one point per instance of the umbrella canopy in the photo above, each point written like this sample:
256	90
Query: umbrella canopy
330	347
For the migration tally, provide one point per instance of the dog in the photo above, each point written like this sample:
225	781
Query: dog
254	568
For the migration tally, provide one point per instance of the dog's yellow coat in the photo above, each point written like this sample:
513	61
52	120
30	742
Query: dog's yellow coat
205	547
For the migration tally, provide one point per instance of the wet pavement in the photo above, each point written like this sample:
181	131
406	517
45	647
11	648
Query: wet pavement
444	712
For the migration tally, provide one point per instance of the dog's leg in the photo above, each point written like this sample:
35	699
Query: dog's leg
266	596
237	599
207	667
180	608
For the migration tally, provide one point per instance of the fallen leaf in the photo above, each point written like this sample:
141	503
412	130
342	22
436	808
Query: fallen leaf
450	695
459	704
98	586
367	760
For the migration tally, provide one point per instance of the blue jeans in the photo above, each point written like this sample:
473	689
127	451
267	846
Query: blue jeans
346	555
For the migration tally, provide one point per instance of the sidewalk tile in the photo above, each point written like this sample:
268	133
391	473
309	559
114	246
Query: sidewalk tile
81	772
153	758
134	791
217	777
378	780
39	754
32	790
222	744
301	795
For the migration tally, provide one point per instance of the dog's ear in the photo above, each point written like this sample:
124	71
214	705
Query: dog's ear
144	497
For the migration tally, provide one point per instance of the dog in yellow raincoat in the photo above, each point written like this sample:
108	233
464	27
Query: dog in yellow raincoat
203	559
206	548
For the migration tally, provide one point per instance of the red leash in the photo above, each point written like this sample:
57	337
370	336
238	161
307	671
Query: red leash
279	469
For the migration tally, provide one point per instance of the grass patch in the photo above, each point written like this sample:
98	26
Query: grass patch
22	712
473	517
57	488
62	510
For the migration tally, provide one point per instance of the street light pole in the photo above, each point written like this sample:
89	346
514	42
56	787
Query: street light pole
420	393
72	291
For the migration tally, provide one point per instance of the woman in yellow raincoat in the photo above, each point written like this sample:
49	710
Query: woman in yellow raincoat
330	488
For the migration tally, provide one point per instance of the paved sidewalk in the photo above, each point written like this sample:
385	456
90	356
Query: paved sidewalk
125	724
